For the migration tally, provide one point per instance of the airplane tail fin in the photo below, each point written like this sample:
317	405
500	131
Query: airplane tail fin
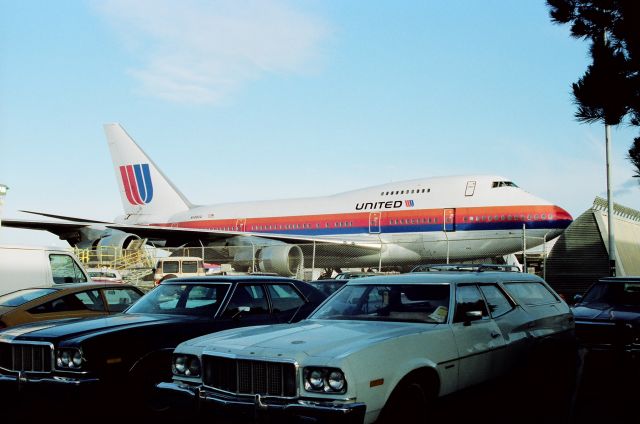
145	191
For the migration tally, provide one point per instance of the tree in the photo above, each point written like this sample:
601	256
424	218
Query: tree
634	155
609	91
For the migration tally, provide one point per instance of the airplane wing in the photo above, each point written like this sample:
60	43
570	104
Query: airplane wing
179	236
176	237
57	228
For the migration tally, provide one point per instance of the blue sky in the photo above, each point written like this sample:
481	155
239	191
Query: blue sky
247	100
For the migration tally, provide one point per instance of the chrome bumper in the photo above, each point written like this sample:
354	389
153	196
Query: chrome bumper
257	409
21	380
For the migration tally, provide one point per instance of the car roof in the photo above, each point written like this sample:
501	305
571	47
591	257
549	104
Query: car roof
445	277
620	279
180	258
227	279
81	286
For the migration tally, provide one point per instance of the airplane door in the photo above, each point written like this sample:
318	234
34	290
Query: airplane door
240	223
374	223
471	188
449	220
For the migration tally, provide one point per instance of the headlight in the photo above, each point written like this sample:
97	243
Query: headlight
336	380
324	380
186	365
69	359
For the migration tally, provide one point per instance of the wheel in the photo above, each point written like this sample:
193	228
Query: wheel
407	404
142	387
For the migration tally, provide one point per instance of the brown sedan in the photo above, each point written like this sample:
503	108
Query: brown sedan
65	301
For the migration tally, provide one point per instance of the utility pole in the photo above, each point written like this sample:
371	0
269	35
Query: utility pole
612	241
3	192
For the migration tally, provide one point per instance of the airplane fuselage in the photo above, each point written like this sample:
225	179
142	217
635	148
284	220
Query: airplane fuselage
458	217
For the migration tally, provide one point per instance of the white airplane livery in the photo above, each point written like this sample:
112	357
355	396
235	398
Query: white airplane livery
407	222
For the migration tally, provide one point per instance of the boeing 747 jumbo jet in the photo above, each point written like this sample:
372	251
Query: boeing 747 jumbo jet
407	222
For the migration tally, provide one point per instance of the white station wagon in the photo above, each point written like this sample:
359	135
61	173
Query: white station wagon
380	347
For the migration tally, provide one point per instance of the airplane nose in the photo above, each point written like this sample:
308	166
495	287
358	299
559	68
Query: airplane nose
562	219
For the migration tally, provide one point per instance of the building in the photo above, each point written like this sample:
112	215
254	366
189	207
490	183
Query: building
581	255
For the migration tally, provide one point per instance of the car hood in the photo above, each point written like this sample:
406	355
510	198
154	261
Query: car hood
606	312
77	327
313	337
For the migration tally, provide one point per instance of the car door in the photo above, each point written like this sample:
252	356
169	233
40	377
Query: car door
118	299
511	321
478	337
248	305
287	303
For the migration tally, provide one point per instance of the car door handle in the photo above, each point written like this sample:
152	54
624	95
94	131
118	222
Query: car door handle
495	334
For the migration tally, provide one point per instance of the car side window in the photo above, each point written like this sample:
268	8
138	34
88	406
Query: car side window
90	300
64	270
284	298
250	296
120	299
530	293
170	266
496	300
469	299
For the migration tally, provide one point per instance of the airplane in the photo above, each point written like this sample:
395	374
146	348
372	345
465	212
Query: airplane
406	222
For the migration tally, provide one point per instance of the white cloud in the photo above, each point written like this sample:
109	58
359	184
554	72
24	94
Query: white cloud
198	51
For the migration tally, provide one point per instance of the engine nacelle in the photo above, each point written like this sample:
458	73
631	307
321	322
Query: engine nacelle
283	259
109	246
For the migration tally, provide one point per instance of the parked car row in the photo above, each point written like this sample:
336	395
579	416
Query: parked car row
249	347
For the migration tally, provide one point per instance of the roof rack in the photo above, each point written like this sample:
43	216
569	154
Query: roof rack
465	267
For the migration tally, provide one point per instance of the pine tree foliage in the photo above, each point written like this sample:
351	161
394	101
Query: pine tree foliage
609	91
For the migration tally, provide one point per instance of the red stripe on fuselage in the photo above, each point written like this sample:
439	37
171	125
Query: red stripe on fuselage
531	213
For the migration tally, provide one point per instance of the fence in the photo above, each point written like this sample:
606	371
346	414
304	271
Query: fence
311	260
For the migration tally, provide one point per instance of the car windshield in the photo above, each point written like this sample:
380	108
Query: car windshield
627	294
21	297
181	299
407	302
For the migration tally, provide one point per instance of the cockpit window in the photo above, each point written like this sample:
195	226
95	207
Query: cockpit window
503	184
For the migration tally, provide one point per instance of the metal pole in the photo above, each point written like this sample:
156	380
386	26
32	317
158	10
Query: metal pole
3	192
253	257
544	257
313	260
612	241
524	247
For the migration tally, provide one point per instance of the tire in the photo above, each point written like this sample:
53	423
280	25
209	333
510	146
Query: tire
142	388
409	404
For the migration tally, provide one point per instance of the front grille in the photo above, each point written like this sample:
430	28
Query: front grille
249	377
26	357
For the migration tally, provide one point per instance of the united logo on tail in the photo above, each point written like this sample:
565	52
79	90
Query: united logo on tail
137	183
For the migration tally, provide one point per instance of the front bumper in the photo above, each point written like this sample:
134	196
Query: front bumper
618	338
54	386
257	409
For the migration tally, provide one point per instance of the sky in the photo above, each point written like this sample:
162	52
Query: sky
253	100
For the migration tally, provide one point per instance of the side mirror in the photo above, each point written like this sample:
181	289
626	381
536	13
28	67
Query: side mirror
472	316
577	298
240	310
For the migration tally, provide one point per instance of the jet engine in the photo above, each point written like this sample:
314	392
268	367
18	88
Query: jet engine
283	259
109	246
